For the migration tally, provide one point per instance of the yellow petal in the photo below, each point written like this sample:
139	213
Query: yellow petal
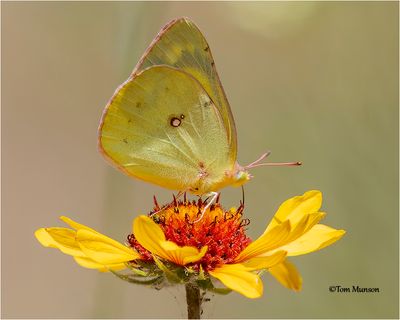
59	238
295	208
265	262
182	255
238	278
44	238
320	236
75	225
104	250
89	263
287	275
150	235
267	242
304	225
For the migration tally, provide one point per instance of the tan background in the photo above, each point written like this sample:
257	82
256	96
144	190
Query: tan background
316	82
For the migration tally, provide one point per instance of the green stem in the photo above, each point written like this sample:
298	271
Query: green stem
193	301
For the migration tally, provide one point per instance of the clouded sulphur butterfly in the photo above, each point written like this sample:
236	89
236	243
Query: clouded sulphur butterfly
170	123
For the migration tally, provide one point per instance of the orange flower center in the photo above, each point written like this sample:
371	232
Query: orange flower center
222	231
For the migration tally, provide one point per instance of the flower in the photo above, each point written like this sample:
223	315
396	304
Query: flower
170	245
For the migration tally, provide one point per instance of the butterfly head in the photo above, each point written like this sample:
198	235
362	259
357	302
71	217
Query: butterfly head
240	176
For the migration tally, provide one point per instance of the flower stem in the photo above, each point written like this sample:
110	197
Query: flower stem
193	301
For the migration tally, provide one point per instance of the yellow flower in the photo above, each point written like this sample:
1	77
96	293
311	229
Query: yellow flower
89	248
168	241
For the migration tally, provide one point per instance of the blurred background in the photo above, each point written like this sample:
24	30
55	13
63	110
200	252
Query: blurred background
311	81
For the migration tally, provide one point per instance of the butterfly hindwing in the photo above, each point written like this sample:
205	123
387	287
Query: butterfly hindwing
162	126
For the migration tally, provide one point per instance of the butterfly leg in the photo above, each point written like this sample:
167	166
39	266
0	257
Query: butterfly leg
214	196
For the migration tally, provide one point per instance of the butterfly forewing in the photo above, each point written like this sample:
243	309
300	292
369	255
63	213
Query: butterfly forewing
180	44
161	126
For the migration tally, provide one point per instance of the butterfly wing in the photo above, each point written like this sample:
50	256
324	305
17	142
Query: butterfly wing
161	126
180	44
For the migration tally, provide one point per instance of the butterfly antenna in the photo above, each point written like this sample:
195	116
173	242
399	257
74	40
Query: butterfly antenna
277	164
257	163
263	156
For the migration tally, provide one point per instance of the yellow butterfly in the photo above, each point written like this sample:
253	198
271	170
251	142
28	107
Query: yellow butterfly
170	123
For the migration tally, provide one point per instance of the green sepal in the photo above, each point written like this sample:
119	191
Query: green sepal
202	275
221	291
152	281
209	286
171	276
138	272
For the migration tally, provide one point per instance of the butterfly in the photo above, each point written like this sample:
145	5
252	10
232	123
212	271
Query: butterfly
170	123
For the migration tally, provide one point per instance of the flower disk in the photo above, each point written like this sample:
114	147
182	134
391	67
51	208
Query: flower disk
222	231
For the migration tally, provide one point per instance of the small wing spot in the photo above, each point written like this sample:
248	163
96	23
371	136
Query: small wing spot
138	104
129	120
207	104
212	63
182	116
175	122
194	189
207	48
125	140
202	172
